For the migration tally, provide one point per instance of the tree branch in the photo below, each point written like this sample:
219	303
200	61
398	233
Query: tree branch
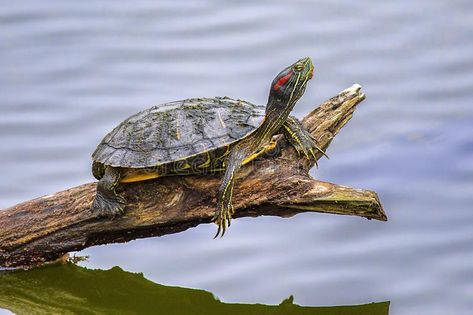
46	228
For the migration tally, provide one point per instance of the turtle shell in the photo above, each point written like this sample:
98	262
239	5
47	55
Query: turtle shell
178	130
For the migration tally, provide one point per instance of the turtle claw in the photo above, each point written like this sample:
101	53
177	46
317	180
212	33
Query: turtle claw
218	232
223	218
309	148
107	203
312	153
108	206
302	140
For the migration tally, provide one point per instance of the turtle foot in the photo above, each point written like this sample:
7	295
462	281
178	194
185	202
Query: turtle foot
223	218
108	206
302	140
310	149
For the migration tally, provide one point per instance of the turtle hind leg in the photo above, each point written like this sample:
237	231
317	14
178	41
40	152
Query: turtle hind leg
107	202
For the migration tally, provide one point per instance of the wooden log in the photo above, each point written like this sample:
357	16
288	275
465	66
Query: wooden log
46	228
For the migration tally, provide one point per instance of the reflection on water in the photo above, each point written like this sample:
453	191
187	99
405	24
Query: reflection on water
69	289
71	70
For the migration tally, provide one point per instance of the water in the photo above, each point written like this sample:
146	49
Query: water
69	289
70	71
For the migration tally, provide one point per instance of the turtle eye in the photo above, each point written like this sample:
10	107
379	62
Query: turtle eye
298	67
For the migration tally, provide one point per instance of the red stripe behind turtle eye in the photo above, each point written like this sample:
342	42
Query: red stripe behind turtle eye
281	81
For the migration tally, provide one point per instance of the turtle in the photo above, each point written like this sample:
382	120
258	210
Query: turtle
200	136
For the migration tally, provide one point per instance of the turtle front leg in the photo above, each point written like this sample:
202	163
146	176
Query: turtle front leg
107	202
223	215
301	139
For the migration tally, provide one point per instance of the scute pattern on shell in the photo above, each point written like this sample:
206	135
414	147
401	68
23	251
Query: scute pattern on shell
177	130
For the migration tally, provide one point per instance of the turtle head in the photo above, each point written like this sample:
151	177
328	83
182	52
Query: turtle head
289	85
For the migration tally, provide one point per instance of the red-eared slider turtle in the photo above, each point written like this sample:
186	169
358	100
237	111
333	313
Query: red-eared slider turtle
200	136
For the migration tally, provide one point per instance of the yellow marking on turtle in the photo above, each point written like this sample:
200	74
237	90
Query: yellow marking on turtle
265	149
206	163
178	133
226	188
220	119
295	86
139	177
185	166
222	157
295	137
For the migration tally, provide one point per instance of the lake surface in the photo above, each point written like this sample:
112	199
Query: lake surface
70	71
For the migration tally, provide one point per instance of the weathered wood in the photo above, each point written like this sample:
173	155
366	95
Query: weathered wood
48	227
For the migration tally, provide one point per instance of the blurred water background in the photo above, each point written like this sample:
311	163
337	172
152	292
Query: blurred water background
72	70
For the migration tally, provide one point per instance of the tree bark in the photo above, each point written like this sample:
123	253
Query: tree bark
46	228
